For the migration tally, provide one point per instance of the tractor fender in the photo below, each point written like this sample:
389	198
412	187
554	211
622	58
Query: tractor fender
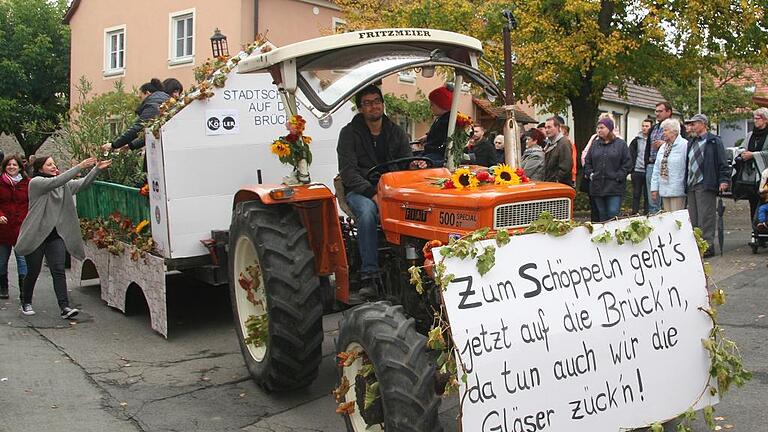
301	193
321	220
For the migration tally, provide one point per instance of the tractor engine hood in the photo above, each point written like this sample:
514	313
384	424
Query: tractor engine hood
412	205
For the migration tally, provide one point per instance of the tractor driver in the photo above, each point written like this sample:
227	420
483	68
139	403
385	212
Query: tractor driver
370	139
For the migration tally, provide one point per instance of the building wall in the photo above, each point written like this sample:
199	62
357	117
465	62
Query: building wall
289	21
148	34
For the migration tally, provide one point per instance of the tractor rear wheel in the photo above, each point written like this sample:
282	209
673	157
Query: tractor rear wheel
400	386
275	296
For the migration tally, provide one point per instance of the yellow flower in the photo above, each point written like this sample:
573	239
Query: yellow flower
281	149
141	225
505	175
307	140
463	178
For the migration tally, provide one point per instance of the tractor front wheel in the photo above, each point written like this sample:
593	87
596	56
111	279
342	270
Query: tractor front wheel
387	382
275	296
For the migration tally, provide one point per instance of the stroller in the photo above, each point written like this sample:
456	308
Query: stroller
760	228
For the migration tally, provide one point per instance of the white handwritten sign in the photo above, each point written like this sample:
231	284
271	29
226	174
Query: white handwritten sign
567	334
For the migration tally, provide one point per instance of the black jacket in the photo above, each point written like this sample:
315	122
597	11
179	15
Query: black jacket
607	164
485	153
437	136
715	169
633	150
357	154
147	110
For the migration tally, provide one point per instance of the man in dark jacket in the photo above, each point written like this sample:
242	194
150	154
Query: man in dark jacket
482	148
637	154
558	157
707	172
368	140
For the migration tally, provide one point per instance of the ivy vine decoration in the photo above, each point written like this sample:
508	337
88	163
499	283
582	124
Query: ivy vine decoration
257	328
210	75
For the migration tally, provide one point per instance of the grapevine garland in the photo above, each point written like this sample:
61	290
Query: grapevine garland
209	75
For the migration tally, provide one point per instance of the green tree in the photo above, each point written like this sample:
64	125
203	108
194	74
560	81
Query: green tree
34	69
568	51
723	97
96	120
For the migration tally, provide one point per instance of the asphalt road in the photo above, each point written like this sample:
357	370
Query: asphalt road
110	372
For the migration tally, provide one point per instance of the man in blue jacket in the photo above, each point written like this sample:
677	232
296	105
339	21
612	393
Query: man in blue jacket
707	173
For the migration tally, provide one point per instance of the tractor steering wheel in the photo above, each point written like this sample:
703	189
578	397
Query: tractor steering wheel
375	173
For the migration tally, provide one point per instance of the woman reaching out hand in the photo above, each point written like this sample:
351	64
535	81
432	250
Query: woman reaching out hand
52	228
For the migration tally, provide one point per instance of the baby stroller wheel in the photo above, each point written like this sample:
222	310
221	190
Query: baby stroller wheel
754	247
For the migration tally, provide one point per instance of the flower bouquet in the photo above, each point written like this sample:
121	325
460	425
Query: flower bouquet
459	138
294	149
464	178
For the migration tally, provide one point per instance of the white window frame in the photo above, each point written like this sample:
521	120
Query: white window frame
337	22
173	18
108	70
407	77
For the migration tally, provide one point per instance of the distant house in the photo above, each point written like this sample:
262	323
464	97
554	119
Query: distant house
137	40
629	111
734	132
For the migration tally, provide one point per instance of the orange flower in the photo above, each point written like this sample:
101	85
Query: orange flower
463	120
144	191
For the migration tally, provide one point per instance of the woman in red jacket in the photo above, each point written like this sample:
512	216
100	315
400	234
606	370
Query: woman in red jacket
14	202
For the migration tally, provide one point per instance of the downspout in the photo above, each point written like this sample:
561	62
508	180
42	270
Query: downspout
255	19
627	108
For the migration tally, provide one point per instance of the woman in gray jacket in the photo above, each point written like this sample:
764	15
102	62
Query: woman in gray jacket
52	228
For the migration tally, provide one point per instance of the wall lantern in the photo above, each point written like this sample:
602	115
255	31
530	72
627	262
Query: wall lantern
219	44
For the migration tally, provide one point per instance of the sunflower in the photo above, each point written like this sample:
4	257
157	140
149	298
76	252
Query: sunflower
463	178
505	175
281	149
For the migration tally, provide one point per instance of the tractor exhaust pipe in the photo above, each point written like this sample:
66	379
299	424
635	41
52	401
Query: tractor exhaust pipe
511	132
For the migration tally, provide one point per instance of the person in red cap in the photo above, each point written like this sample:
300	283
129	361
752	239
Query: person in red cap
434	143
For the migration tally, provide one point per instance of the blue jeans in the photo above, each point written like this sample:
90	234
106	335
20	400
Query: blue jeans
366	215
607	206
654	206
5	255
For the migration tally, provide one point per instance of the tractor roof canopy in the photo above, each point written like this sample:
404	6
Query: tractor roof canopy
330	70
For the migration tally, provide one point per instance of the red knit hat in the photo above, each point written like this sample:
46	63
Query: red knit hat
441	97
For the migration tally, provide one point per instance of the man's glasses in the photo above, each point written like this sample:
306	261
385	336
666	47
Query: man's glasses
371	102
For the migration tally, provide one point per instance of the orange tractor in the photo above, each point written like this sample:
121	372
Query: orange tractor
292	254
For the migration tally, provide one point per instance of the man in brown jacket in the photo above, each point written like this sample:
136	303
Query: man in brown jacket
558	160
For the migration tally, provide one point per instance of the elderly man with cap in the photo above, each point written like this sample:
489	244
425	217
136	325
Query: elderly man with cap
434	142
707	172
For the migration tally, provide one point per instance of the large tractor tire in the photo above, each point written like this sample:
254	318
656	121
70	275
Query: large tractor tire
381	336
275	296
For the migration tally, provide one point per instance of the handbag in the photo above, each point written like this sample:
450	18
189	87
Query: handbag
746	181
